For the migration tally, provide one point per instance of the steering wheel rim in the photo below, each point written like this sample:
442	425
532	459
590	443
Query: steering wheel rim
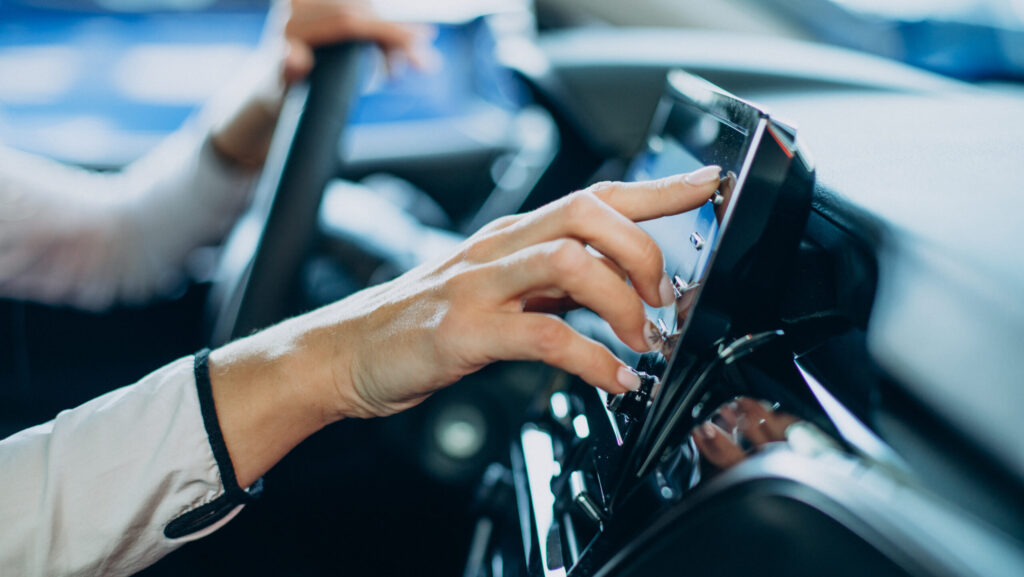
256	281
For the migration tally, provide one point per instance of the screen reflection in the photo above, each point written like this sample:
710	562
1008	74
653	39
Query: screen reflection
741	427
689	139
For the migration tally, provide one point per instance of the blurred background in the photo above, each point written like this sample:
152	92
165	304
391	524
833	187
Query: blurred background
99	82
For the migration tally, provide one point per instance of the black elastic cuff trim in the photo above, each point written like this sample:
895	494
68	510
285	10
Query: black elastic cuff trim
202	517
209	412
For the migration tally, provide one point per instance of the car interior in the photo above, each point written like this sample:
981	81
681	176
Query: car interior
837	387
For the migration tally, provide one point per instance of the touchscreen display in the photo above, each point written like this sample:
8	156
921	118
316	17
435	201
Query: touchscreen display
695	125
689	139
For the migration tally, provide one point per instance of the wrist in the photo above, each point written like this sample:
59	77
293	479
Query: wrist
329	351
299	357
244	139
243	134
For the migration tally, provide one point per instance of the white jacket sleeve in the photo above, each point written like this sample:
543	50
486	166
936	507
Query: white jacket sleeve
111	486
75	237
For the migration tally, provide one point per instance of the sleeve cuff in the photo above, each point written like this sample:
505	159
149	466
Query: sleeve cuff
209	514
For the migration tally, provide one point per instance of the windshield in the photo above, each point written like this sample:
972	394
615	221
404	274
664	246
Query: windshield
969	39
966	39
988	12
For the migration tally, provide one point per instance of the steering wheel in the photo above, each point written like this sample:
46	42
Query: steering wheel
257	283
257	279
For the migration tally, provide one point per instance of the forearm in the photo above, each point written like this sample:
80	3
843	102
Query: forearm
113	485
277	387
242	115
71	236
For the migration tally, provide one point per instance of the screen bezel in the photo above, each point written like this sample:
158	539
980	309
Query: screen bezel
685	89
696	93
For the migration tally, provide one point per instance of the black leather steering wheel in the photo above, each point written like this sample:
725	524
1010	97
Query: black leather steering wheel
257	280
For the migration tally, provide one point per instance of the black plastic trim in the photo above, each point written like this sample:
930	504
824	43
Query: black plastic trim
208	514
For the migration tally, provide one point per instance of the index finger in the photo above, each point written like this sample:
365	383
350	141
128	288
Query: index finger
651	199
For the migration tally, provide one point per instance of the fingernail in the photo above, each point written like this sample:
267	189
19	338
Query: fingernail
652	336
628	379
668	296
704	175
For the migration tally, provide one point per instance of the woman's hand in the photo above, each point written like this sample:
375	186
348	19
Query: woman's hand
313	23
295	30
397	343
387	348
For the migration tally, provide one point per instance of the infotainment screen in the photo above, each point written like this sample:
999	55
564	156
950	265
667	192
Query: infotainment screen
728	258
696	125
595	458
667	157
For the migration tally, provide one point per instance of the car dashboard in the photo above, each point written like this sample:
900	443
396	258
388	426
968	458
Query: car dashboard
850	408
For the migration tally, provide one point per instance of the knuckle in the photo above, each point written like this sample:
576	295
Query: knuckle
567	257
478	250
503	222
549	340
599	189
487	242
496	225
581	207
